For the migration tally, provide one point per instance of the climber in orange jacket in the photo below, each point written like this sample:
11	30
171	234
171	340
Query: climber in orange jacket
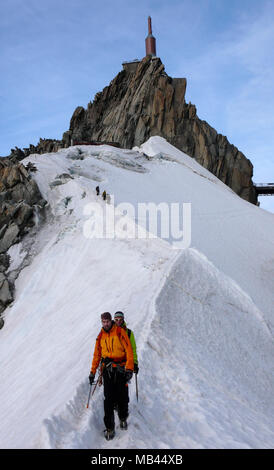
113	349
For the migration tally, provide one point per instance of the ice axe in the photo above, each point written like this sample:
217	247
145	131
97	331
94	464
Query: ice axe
89	395
136	384
99	380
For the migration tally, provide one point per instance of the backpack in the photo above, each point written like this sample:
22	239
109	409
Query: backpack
128	332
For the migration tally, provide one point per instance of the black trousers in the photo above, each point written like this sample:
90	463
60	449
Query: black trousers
115	393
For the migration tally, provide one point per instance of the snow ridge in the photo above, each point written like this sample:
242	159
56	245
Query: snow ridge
171	388
77	427
202	317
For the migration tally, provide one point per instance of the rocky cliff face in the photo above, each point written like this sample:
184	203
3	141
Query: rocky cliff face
43	146
143	101
19	199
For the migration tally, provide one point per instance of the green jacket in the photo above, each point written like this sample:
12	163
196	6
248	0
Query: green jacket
132	342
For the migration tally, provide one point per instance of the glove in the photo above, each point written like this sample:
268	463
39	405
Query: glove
136	369
129	375
91	378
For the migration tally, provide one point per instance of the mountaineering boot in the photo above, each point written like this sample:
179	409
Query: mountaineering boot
109	434
123	424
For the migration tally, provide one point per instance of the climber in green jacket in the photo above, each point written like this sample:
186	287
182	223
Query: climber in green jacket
119	319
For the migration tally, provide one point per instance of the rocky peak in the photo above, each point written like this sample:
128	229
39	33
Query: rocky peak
133	107
142	101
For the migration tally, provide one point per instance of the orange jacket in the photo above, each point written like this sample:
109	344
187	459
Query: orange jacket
114	344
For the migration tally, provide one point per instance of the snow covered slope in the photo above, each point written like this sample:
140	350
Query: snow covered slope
202	317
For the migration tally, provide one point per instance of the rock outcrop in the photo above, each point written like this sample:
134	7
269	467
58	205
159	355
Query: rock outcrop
43	146
143	101
20	198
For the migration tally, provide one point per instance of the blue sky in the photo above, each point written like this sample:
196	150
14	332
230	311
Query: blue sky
56	54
